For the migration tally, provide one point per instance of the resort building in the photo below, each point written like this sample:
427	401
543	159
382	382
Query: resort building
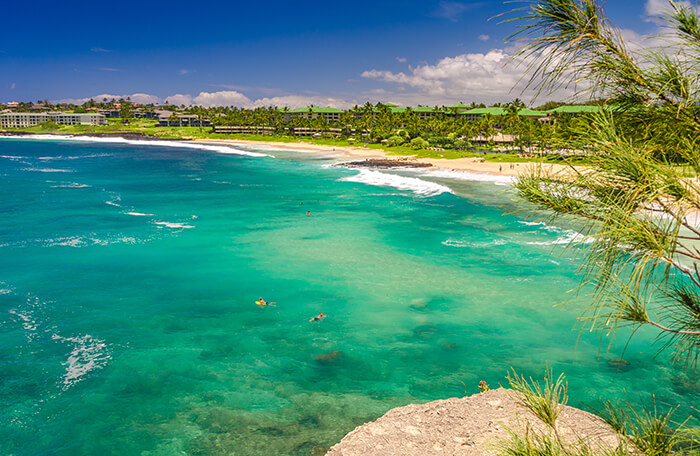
329	114
30	119
459	108
478	113
576	111
170	119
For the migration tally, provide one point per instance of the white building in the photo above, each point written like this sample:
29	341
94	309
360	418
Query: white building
30	119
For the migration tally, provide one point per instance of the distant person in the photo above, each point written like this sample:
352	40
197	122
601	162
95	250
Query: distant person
308	212
317	317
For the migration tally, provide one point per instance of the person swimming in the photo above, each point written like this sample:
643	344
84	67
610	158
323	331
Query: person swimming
317	317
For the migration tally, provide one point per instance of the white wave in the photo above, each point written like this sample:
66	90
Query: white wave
542	226
87	355
73	157
457	174
461	243
142	142
85	241
49	170
380	179
138	214
112	203
71	185
569	237
174	225
14	157
4	291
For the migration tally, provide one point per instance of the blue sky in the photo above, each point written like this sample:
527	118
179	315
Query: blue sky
267	52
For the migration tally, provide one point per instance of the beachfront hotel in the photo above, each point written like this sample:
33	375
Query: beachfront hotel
30	119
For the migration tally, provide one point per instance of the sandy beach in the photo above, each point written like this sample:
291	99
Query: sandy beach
353	152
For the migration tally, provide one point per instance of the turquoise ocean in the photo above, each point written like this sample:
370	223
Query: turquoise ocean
129	273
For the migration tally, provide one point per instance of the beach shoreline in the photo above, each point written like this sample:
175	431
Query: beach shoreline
470	164
350	153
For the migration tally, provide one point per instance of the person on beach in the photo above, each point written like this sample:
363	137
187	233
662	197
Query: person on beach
317	317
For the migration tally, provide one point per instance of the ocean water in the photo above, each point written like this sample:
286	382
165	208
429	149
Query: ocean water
129	274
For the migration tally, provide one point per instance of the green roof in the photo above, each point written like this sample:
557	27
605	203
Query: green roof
531	112
500	111
317	110
576	109
423	109
484	111
460	106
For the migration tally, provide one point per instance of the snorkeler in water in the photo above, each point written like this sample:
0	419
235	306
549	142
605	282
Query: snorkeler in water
317	317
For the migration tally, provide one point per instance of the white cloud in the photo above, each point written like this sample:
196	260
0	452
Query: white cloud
13	85
478	77
225	98
107	69
179	99
99	49
222	98
143	98
185	71
484	37
401	59
301	101
656	8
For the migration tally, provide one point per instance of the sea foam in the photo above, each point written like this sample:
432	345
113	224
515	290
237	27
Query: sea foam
418	186
174	225
457	174
87	355
115	140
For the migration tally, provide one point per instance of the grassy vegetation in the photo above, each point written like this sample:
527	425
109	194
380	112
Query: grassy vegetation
148	127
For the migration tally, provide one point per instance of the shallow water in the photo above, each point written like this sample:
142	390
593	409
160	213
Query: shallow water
129	276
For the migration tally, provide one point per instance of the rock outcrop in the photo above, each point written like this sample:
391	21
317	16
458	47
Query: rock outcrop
470	426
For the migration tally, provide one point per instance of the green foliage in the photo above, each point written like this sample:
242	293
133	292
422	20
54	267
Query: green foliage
419	143
644	432
395	140
636	206
545	401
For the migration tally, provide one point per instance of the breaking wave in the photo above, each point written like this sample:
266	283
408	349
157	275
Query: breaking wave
568	237
464	175
380	179
115	140
49	170
461	243
174	225
71	185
